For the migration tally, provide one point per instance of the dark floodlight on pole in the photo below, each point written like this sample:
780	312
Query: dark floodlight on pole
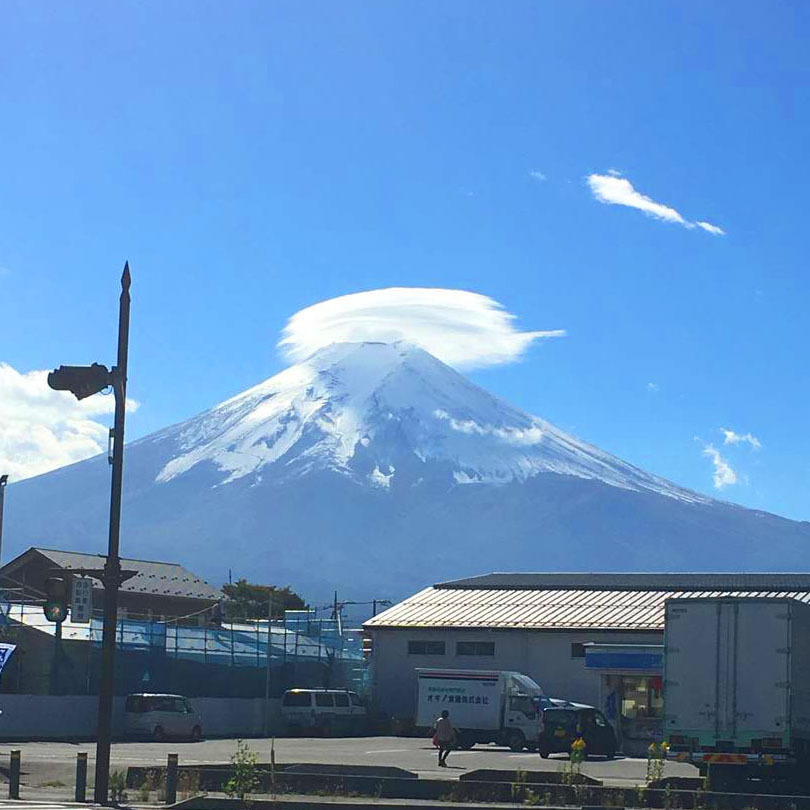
83	381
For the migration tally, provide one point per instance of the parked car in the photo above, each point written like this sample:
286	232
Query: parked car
324	711
561	726
161	717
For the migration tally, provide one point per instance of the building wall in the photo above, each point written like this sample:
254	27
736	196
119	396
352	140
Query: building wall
46	717
545	656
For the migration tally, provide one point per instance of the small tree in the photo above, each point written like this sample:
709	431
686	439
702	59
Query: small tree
245	779
246	600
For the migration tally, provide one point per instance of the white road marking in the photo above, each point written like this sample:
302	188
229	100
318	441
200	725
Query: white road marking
390	751
39	804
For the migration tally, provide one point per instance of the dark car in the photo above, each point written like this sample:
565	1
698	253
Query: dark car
561	726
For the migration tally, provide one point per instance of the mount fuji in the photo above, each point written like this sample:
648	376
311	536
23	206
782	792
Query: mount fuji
375	469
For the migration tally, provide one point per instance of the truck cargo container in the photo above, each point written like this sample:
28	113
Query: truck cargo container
484	705
737	685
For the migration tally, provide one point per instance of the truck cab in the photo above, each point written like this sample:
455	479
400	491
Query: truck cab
523	720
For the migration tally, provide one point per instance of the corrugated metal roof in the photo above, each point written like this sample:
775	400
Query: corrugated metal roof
575	609
164	579
633	582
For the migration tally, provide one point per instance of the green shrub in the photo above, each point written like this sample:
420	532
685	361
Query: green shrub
118	784
245	778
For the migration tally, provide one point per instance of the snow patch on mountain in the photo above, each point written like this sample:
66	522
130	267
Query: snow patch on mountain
363	408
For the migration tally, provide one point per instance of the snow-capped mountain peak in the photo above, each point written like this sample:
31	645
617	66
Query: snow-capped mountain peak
375	469
388	414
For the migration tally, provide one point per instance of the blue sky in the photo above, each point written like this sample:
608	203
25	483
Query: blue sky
251	159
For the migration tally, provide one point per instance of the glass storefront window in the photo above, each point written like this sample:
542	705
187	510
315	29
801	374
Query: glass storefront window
642	697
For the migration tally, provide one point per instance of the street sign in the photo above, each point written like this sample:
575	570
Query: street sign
5	653
81	601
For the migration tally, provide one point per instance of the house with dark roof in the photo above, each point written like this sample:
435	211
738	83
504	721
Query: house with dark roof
159	590
590	638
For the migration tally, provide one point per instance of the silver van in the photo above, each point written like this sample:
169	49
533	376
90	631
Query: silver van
323	711
161	717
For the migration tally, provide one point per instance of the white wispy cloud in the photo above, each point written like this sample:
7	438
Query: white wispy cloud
42	429
653	387
724	476
613	189
463	329
730	437
715	230
539	176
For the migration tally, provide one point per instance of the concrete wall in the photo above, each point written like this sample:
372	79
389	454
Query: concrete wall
543	655
47	717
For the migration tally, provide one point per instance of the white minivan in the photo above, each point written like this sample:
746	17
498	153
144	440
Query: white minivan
161	717
325	711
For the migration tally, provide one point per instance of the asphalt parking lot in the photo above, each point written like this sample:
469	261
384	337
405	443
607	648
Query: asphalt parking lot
47	763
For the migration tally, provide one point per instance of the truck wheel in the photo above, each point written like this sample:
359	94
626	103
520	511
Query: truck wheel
516	741
544	750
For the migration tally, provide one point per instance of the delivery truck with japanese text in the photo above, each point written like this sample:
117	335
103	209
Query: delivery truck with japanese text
737	686
484	705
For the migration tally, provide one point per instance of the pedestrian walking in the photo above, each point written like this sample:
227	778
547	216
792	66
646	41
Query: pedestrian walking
445	734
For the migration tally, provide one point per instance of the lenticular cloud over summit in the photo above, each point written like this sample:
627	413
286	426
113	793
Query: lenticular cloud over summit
463	329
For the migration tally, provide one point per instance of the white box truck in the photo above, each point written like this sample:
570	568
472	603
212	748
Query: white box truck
737	685
484	705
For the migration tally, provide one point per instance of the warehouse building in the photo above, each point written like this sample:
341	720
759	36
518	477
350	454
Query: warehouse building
592	638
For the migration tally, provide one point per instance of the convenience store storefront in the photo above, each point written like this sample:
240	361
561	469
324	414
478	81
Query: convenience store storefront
630	691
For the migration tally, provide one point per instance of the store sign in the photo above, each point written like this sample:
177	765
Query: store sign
624	661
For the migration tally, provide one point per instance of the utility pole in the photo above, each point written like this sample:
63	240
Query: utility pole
112	567
267	670
57	651
3	482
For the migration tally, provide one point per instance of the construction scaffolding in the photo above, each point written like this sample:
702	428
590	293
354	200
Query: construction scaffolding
216	660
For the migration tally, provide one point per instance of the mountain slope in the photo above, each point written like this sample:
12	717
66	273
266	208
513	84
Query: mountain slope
374	468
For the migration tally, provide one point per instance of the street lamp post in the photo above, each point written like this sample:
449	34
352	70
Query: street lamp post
112	567
3	482
83	381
